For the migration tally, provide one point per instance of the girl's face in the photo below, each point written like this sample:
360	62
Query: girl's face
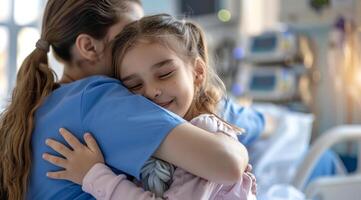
156	72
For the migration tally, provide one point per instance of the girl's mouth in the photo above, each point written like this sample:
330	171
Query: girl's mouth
166	104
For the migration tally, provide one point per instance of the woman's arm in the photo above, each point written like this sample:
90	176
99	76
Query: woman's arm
122	123
217	158
83	164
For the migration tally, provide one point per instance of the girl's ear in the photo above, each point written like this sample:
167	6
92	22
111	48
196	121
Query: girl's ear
199	71
88	47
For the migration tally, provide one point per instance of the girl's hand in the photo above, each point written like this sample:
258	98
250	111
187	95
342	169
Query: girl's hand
76	162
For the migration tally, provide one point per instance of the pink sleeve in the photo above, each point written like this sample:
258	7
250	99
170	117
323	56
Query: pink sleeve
188	186
103	183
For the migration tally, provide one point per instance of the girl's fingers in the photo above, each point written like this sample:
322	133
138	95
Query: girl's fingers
58	175
55	160
71	139
253	178
249	168
91	143
59	147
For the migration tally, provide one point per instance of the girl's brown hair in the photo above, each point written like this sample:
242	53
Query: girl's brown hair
190	45
63	21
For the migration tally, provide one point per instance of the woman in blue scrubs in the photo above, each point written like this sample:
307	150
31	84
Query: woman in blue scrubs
86	100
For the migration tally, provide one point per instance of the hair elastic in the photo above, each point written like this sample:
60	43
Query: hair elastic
43	45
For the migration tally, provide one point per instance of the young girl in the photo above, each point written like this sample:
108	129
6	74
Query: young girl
166	61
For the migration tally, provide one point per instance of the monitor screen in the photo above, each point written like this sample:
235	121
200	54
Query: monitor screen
197	8
263	82
188	8
206	12
264	43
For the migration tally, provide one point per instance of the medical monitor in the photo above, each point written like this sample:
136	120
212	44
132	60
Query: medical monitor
211	12
271	47
206	12
266	43
268	83
263	82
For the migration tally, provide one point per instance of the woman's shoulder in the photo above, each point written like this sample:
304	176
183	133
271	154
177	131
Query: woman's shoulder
89	89
91	85
88	82
101	79
94	81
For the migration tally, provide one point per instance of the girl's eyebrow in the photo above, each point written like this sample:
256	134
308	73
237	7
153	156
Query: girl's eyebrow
162	63
127	78
157	65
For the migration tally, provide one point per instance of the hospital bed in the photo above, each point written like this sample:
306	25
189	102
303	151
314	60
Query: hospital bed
276	159
343	186
283	163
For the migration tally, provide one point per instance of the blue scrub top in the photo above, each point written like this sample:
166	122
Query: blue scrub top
244	117
129	128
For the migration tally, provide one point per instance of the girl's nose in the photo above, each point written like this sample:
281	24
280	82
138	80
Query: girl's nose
153	92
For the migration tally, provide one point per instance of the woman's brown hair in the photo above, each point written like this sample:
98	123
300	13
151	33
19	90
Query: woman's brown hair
190	45
63	21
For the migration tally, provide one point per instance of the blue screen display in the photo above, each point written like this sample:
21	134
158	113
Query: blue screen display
263	82
264	43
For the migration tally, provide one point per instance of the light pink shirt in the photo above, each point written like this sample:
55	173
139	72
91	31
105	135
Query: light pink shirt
102	183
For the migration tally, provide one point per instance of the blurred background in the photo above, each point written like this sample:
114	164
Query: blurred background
301	55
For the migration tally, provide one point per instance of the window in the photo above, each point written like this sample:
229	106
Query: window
19	31
4	45
4	10
26	11
27	37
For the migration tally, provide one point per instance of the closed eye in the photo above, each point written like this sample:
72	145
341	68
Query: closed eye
166	75
135	87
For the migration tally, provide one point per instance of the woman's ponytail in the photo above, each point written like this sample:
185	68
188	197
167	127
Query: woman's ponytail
35	81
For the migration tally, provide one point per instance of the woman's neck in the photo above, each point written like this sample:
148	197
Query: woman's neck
71	74
66	78
81	69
